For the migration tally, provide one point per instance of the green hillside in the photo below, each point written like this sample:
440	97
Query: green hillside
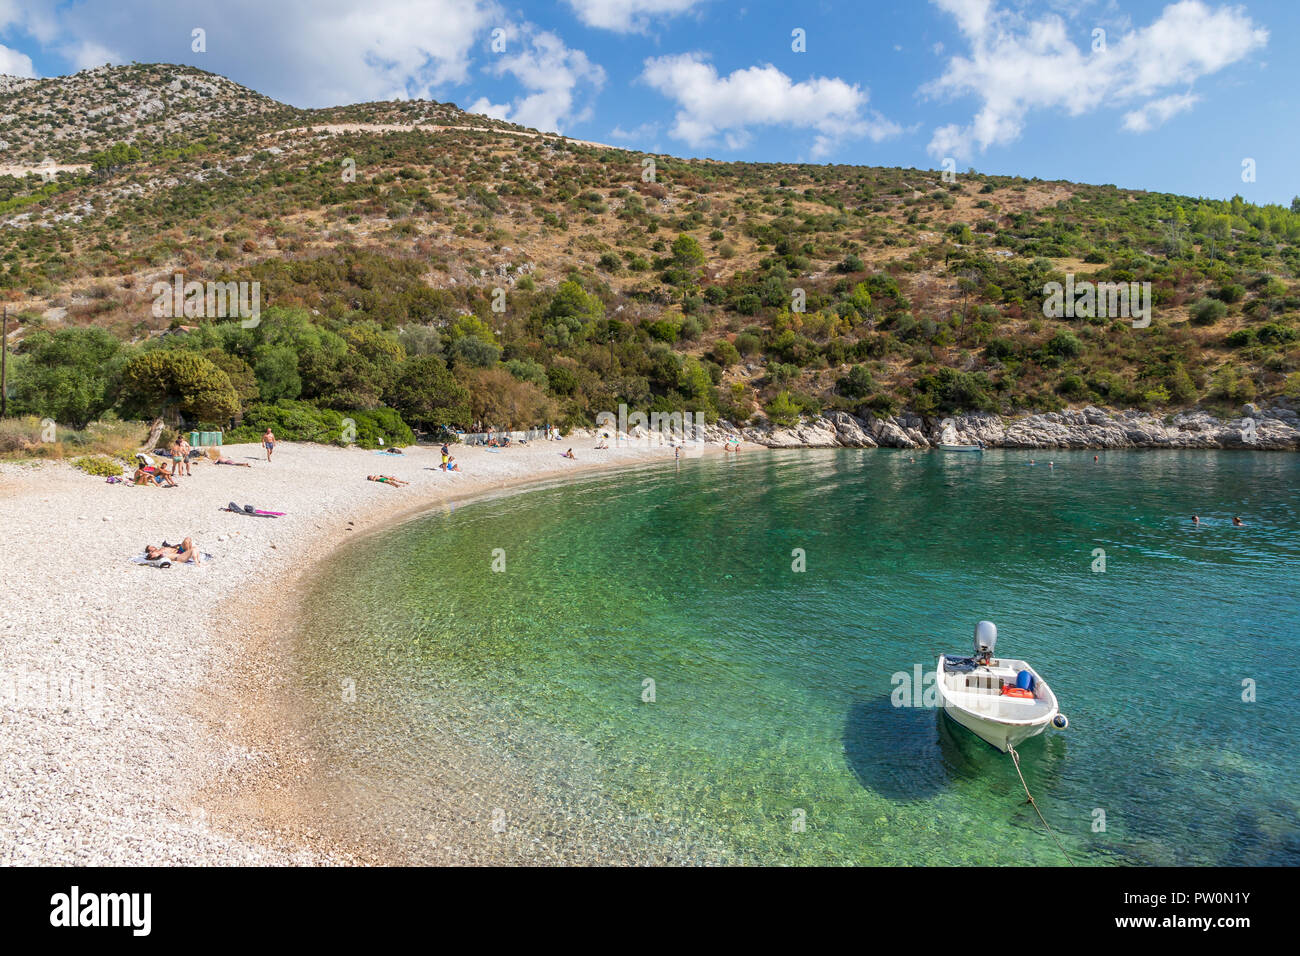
500	275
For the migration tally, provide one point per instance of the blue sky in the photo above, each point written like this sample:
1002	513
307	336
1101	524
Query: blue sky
1171	96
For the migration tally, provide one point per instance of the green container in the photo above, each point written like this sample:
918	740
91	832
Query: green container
206	439
216	438
195	440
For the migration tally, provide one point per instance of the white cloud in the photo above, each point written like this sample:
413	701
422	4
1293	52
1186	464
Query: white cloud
13	63
638	134
34	17
85	54
627	16
728	106
1016	65
304	52
1156	112
552	74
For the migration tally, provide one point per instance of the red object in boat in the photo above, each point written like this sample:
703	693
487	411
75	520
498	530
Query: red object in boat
1009	690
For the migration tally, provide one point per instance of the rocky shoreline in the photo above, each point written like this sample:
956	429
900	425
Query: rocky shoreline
1274	429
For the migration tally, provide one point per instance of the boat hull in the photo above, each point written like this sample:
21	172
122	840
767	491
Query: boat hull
998	721
966	448
1001	736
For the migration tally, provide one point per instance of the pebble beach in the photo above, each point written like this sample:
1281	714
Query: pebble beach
138	709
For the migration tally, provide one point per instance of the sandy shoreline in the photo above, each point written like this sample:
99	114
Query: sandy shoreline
142	711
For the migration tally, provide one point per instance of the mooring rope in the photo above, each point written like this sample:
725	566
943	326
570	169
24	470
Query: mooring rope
1015	758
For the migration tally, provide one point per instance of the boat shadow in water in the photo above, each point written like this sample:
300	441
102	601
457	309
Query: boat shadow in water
913	753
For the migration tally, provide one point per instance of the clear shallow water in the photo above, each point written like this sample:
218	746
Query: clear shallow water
772	688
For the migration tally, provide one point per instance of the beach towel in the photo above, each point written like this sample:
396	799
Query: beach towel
251	511
204	558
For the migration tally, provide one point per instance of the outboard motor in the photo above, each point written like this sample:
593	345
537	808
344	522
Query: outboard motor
986	639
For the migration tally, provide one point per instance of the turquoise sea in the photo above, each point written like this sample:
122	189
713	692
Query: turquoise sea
646	668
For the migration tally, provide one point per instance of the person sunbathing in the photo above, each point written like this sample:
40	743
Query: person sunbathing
176	553
568	454
387	480
231	461
450	464
151	475
604	443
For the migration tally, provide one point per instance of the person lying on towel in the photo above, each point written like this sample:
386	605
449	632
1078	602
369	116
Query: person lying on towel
179	553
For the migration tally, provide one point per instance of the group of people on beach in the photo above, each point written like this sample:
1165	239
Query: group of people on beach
162	469
159	472
448	463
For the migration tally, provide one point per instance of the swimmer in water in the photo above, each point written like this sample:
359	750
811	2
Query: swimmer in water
1094	457
1196	519
1237	522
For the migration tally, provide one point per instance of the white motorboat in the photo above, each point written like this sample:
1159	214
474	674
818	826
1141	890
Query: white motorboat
948	440
1001	700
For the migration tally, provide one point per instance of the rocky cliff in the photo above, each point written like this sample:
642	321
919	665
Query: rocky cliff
1275	428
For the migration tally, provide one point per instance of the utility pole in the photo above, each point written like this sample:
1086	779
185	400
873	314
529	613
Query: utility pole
4	365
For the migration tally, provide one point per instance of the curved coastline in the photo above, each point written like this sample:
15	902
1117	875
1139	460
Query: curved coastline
145	700
280	794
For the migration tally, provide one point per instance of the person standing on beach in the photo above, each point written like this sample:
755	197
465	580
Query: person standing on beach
268	442
185	454
178	457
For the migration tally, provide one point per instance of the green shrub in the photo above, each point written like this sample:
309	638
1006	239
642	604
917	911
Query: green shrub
301	421
1064	344
98	465
1181	388
951	390
1207	312
783	410
858	383
1275	333
748	344
999	349
663	330
725	354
